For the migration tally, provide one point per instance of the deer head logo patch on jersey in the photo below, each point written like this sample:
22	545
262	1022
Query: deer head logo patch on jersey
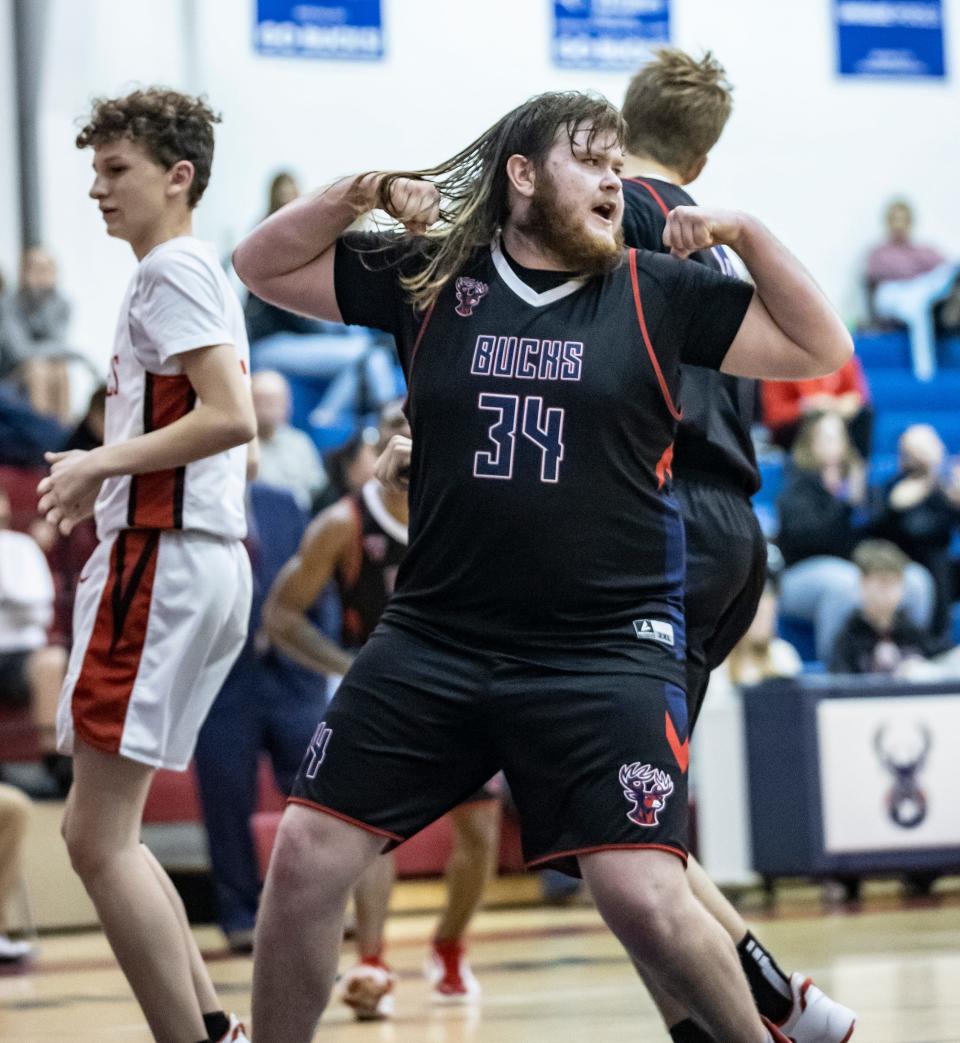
647	788
470	292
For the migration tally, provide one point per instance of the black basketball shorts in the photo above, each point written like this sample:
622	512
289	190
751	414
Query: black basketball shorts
726	573
595	753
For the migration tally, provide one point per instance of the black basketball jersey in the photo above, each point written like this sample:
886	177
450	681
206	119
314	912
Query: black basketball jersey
367	582
713	438
543	425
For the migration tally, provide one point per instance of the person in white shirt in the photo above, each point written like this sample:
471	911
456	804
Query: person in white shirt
31	669
163	603
288	457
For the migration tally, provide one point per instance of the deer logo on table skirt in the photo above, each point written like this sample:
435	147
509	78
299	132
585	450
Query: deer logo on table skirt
906	801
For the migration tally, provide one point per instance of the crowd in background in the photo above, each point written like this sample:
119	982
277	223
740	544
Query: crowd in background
865	566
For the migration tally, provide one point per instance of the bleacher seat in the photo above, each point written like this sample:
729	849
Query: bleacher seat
894	389
19	735
890	424
800	634
771	476
20	484
883	349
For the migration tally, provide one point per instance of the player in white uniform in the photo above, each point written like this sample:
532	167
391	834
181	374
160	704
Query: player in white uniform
163	602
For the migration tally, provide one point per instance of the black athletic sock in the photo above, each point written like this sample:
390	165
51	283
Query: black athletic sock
217	1025
769	985
689	1032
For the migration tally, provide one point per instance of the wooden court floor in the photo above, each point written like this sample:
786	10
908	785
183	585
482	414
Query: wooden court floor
549	976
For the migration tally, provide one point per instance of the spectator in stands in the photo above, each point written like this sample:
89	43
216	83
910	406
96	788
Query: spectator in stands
88	434
13	344
288	457
904	283
352	465
14	816
919	510
760	654
879	637
822	512
31	669
43	313
25	435
268	704
787	402
263	319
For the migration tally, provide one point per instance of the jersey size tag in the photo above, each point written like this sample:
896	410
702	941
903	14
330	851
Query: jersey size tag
654	630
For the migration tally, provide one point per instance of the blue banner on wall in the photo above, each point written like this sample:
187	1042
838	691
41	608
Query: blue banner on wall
608	34
890	38
350	29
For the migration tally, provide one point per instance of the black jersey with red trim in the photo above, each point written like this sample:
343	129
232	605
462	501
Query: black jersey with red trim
367	581
543	424
713	439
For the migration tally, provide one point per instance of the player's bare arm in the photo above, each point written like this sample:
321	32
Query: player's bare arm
223	418
326	545
393	464
790	331
288	259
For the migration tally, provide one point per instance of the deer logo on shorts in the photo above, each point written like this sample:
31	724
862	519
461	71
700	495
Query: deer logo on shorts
470	292
647	788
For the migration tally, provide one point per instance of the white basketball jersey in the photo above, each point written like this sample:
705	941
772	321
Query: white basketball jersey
179	299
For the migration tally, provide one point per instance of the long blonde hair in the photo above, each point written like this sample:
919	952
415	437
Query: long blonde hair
802	454
473	183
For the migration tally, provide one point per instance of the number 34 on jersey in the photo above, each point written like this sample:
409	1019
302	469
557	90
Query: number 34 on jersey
540	428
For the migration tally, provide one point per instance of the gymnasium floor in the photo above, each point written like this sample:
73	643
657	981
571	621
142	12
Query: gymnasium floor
550	975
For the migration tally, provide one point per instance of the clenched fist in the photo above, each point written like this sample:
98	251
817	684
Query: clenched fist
692	228
393	466
414	203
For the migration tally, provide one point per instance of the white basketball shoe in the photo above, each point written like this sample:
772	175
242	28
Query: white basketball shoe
236	1033
367	990
815	1017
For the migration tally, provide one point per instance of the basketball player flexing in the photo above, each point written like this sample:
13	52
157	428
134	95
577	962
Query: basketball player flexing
161	611
676	108
359	542
537	623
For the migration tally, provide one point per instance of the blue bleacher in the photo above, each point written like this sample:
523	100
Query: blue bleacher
899	400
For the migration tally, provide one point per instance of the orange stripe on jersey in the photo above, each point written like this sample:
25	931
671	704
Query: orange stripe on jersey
674	412
112	660
665	467
681	750
156	499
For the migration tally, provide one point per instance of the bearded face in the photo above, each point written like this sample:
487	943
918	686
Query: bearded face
575	213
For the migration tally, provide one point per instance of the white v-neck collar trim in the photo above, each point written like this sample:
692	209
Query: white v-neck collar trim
372	493
522	290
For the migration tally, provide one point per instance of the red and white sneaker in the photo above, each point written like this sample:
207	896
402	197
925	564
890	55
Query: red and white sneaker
368	990
236	1033
776	1035
815	1017
449	974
